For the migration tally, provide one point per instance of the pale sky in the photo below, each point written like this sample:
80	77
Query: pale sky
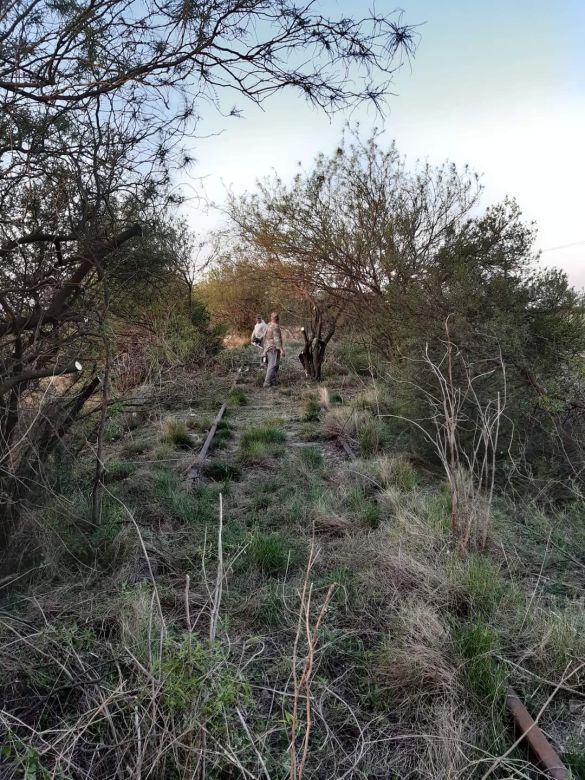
499	85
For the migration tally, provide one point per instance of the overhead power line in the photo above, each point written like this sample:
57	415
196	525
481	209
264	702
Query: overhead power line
563	246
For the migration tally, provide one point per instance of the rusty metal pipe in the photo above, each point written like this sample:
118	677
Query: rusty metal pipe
541	748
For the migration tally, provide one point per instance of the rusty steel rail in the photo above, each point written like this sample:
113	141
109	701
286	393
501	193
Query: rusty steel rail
193	469
540	747
345	445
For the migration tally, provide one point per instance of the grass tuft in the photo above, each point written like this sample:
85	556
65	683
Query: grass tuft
119	469
175	432
237	397
262	442
220	471
485	676
270	552
312	457
311	410
395	472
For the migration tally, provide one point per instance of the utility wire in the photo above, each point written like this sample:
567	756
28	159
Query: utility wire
563	246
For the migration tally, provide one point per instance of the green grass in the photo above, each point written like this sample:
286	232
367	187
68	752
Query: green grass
220	470
312	457
198	506
270	552
481	586
270	609
119	469
485	675
237	397
175	432
262	442
364	508
370	437
311	410
343	578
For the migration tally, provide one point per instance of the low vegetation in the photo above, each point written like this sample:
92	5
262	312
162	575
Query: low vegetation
373	550
286	571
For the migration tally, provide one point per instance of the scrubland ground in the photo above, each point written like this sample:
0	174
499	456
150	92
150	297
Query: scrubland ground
292	613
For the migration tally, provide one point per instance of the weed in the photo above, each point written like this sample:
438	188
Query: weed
335	399
198	506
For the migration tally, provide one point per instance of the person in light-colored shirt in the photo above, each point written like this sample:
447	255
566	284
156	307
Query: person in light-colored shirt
259	331
273	349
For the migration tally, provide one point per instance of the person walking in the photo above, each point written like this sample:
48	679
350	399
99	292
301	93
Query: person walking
273	349
259	331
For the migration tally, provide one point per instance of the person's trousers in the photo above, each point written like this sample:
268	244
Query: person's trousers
273	356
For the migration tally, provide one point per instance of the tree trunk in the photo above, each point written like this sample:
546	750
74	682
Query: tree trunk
312	357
